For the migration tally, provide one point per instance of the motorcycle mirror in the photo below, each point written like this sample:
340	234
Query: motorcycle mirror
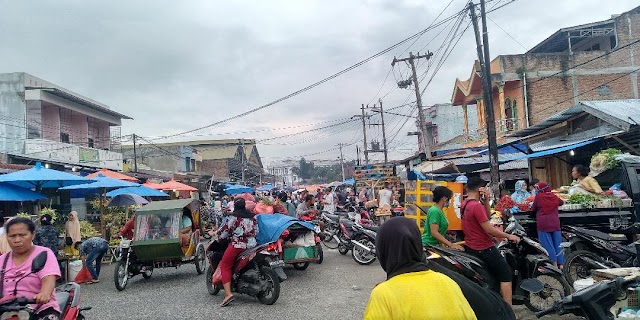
532	285
38	262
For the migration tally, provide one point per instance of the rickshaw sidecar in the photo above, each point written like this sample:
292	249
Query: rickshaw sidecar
157	230
158	241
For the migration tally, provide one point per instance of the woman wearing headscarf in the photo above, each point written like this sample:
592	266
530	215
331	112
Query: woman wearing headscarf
72	234
412	291
4	243
521	192
545	205
47	235
241	229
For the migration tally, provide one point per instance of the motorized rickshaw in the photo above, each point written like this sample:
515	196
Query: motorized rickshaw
161	240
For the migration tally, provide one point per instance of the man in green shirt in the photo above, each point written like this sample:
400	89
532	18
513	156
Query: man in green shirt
437	224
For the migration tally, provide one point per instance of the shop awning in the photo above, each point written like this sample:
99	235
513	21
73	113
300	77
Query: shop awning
551	151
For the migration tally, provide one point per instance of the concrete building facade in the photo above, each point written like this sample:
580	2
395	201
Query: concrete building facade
41	121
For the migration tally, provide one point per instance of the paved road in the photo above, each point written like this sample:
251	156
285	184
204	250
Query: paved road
337	289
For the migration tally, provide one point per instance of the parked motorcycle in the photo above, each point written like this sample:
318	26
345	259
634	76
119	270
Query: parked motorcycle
67	296
527	259
257	272
597	302
591	249
358	239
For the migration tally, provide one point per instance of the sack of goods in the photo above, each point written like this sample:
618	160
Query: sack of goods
371	204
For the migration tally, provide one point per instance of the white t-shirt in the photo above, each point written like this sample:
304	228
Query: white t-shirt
329	206
384	197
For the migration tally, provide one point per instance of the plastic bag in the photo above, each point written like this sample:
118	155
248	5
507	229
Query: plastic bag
83	276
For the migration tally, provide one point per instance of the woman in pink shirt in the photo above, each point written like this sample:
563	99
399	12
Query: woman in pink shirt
16	264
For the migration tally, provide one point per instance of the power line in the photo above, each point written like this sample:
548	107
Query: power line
313	85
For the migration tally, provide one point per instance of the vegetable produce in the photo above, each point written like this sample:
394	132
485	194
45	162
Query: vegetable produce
604	160
87	230
586	200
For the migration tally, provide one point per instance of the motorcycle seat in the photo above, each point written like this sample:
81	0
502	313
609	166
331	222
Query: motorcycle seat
372	228
335	218
63	298
347	223
343	214
602	235
462	253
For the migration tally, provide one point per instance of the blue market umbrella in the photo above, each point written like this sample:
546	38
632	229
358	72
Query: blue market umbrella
141	191
40	177
9	192
236	189
102	182
126	199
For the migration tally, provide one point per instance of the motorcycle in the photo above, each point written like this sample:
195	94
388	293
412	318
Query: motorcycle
591	249
527	259
597	302
357	238
67	296
257	272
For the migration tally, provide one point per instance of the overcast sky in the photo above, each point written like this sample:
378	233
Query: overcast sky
177	65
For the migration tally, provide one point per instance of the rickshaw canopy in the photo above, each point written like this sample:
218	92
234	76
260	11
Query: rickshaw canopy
168	206
271	226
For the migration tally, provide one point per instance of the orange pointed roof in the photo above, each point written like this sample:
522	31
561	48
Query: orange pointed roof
177	186
112	174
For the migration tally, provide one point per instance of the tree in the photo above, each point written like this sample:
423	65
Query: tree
305	169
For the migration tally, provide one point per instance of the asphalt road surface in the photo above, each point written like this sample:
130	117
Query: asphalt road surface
336	289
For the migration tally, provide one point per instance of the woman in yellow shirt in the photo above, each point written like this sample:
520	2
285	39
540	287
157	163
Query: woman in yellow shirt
412	291
589	184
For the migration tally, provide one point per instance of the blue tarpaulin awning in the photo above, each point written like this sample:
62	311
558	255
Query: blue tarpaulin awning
102	182
236	189
41	177
266	187
271	226
550	151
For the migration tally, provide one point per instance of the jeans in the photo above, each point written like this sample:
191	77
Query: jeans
96	255
551	241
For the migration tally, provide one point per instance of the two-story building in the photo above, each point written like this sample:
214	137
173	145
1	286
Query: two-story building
41	121
595	61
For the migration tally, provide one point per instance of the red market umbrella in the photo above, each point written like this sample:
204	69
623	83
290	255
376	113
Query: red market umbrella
112	174
149	184
177	186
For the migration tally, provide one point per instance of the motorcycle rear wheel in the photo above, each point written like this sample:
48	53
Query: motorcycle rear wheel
213	290
576	269
121	275
328	240
271	296
147	273
361	256
200	260
555	288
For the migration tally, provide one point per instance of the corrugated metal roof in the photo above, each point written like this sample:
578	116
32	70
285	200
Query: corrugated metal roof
483	159
619	113
563	141
215	152
513	165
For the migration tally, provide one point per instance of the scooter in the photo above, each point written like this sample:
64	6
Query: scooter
21	308
597	302
528	259
257	272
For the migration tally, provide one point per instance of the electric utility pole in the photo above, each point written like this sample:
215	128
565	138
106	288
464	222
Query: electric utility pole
485	63
342	159
243	156
384	134
135	155
364	117
426	143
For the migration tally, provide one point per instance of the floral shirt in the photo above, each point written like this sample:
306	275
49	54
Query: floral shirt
93	243
241	231
47	236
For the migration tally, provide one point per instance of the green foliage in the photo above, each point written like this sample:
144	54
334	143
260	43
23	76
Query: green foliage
23	215
115	220
307	170
586	200
50	211
605	159
87	230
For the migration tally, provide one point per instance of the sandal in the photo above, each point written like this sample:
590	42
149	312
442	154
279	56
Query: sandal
227	301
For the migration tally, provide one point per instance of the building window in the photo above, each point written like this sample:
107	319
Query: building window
90	143
64	137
